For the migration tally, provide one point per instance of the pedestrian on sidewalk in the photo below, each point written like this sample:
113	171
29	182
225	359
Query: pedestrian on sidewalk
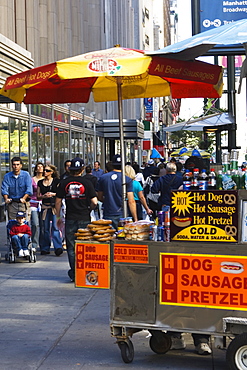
46	191
16	189
80	199
20	233
110	193
35	205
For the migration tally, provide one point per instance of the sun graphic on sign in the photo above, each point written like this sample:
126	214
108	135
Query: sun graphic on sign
182	201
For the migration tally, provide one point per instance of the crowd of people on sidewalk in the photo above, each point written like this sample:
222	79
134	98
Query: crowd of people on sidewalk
56	207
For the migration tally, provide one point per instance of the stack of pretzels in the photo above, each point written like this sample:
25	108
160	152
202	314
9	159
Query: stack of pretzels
100	230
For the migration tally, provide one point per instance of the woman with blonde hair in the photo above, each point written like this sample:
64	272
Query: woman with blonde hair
138	193
47	189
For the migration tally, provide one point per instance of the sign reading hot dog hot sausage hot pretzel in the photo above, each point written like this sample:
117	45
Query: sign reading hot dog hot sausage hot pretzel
208	216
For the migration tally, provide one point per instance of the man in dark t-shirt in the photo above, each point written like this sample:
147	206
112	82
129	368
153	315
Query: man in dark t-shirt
80	199
110	193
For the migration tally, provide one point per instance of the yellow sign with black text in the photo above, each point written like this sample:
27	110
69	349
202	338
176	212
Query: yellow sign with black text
209	216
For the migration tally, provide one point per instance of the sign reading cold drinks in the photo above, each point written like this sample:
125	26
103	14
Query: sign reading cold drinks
208	216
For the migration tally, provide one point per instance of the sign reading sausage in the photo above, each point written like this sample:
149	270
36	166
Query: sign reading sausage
92	265
210	216
203	281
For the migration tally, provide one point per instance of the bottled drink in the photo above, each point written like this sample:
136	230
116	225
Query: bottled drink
160	218
219	180
194	180
212	180
227	181
203	180
187	180
244	179
236	179
120	229
196	172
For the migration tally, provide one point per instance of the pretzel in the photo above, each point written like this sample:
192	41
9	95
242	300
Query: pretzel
229	198
105	239
102	222
83	234
231	230
98	236
84	237
83	230
100	227
108	231
90	226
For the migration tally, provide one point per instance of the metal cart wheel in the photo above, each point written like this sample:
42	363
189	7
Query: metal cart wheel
236	355
127	350
160	343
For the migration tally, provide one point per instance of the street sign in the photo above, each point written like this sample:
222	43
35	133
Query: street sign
216	13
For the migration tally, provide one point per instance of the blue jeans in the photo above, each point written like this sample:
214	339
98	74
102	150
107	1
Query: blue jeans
35	227
20	242
50	232
115	220
71	227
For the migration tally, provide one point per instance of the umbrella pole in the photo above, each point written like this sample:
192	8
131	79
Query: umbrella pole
121	134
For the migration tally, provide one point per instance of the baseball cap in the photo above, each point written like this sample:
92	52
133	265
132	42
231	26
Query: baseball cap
21	214
116	159
150	161
76	164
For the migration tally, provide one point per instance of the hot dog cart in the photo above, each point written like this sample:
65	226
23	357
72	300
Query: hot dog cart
196	283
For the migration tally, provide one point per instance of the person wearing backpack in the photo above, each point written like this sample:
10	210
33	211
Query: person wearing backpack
165	184
152	199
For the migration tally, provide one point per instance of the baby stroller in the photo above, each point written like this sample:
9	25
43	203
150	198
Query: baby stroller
12	253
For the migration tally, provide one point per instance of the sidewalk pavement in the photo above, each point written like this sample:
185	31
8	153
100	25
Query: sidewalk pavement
48	324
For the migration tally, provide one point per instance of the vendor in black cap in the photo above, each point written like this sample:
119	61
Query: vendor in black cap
80	198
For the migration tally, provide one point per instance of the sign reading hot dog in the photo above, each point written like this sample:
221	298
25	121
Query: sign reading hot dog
92	265
203	281
209	216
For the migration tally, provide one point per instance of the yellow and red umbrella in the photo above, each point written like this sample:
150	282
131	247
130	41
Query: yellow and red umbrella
73	79
114	74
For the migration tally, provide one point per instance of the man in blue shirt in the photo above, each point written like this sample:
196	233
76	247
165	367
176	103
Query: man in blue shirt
110	193
97	171
16	189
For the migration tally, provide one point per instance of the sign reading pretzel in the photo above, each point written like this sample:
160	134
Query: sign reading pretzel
208	216
203	281
92	267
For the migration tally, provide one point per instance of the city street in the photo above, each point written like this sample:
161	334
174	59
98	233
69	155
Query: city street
48	324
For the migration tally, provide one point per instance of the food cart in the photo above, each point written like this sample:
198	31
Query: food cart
196	283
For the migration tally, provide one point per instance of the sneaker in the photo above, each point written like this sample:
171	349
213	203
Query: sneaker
71	275
203	349
58	251
26	252
178	343
21	253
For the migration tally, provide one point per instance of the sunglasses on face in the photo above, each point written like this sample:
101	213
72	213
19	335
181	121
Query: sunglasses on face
47	170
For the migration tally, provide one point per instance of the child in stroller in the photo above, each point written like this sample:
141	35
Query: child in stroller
19	233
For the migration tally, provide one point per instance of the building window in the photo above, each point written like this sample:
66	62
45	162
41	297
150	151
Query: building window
147	39
146	13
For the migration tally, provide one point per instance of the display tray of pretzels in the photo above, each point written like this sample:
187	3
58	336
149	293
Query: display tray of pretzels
99	230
